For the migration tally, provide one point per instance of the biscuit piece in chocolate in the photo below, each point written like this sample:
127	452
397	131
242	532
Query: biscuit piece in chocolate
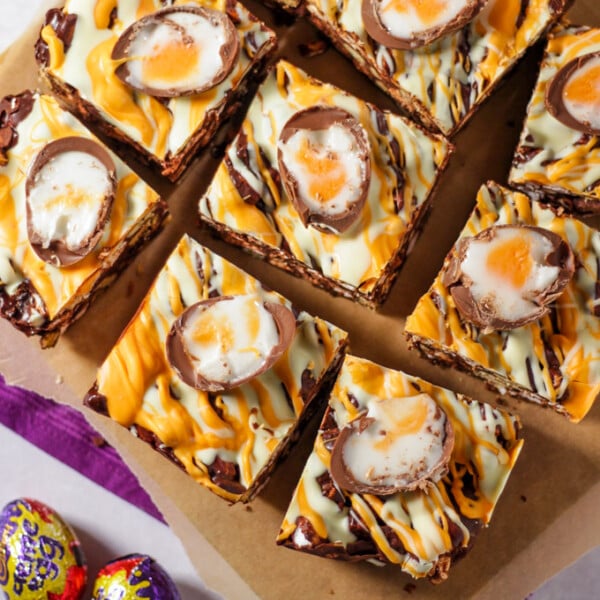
573	94
324	158
70	189
408	24
177	51
223	342
400	444
506	276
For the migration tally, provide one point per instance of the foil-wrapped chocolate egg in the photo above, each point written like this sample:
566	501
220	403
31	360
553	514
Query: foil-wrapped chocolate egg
223	342
134	577
324	159
399	444
408	24
40	556
177	51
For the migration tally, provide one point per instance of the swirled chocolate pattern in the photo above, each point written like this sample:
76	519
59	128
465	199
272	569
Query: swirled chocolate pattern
166	130
230	440
247	204
421	531
44	298
556	162
442	82
553	360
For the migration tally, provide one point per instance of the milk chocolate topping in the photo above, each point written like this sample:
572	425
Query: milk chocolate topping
482	314
182	362
381	34
228	51
407	475
57	253
555	94
319	118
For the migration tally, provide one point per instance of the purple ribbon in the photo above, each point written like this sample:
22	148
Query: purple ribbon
63	432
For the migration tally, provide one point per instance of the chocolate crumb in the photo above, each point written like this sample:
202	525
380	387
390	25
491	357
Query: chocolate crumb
99	441
523	498
409	588
313	48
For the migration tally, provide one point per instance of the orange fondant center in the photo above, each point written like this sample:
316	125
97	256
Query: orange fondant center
171	62
511	260
327	173
72	198
584	87
427	11
407	416
210	329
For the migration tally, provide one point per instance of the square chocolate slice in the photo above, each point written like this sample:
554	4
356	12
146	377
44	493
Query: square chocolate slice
157	76
437	60
517	304
73	215
217	373
325	186
402	472
558	158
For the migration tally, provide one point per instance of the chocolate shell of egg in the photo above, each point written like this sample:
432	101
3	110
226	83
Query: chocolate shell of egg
70	189
409	24
506	276
40	556
223	342
177	51
134	576
324	158
573	94
399	444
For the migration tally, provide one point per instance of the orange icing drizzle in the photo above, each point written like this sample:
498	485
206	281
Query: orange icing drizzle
112	94
56	50
408	416
102	12
511	260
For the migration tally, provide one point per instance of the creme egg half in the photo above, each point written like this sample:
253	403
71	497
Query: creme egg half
324	159
177	51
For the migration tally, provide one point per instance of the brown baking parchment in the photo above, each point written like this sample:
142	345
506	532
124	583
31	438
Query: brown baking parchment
547	516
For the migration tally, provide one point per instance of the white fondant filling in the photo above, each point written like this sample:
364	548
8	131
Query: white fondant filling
399	446
66	197
406	18
231	339
336	144
206	36
509	302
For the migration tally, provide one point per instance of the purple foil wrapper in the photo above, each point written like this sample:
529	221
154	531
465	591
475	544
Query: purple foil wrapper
64	433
